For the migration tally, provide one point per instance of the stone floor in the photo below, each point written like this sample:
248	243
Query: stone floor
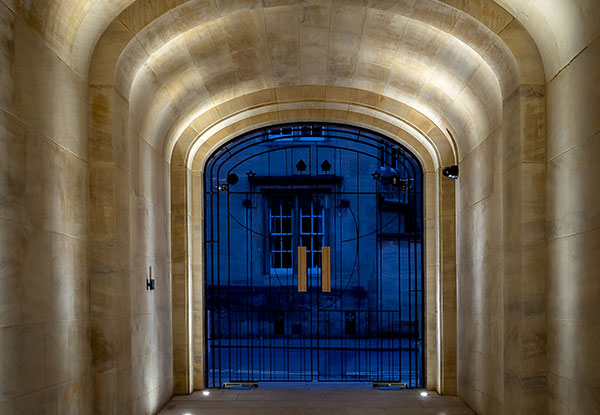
314	402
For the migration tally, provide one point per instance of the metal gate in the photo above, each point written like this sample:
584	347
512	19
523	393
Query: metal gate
313	258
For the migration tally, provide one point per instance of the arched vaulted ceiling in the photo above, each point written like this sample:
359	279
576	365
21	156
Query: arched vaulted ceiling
199	57
176	60
560	27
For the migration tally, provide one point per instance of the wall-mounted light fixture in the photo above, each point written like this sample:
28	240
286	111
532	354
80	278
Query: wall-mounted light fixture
223	187
451	172
150	282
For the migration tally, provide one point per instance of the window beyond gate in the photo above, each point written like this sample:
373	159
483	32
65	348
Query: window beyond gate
295	222
313	243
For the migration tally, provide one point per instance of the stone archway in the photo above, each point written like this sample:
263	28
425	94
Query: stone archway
436	187
511	61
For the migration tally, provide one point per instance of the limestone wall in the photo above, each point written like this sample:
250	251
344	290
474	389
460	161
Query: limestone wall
45	353
130	234
479	270
573	151
82	218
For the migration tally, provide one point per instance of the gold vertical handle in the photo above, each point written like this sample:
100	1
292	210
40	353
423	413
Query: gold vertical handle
302	282
326	269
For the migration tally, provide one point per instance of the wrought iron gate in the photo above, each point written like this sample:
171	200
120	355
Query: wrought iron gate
313	257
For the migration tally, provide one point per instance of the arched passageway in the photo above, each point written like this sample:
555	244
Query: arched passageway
105	103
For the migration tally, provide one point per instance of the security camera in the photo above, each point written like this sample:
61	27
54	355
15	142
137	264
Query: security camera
451	172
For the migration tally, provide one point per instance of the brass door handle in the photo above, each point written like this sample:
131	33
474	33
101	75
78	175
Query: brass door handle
302	281
326	269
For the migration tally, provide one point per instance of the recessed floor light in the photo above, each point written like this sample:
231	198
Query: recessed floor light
424	394
205	393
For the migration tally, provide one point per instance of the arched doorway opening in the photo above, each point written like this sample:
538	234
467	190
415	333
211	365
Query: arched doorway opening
314	258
